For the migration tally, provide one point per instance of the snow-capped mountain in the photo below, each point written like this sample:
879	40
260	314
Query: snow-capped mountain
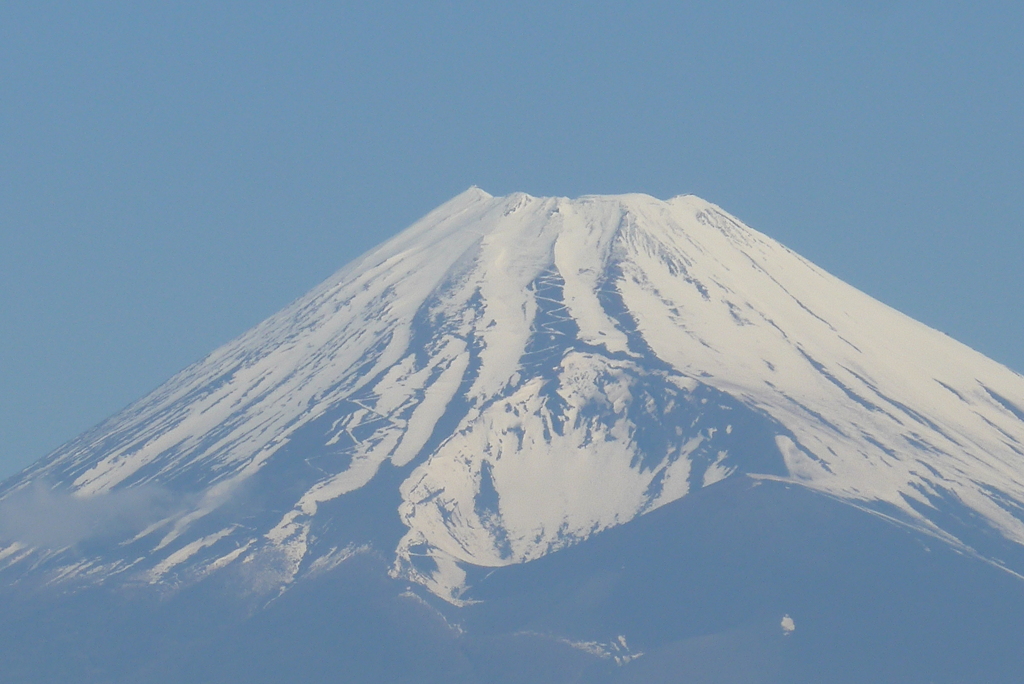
604	439
515	374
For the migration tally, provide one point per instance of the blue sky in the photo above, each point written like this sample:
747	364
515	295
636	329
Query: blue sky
172	173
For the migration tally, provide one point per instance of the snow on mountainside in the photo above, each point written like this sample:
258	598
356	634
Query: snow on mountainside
515	374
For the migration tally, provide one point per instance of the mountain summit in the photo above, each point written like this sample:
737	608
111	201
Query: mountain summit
514	376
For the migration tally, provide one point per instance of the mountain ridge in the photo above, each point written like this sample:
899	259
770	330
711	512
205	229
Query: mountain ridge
520	373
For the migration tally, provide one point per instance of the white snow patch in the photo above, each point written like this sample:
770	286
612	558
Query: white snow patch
186	552
8	551
716	472
333	558
228	558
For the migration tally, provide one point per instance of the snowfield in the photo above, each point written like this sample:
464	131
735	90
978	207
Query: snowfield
515	374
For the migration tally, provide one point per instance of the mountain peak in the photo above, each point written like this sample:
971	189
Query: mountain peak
511	375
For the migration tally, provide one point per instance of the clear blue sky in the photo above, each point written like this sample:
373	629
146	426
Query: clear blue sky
172	173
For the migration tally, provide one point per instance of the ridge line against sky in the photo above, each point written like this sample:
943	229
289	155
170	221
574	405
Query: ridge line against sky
173	175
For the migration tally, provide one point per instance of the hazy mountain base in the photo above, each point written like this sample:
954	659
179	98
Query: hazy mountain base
698	587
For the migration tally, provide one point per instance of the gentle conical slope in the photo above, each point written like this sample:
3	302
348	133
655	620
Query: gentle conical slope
511	375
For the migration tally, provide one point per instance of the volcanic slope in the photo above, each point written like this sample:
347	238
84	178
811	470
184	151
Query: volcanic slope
512	375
